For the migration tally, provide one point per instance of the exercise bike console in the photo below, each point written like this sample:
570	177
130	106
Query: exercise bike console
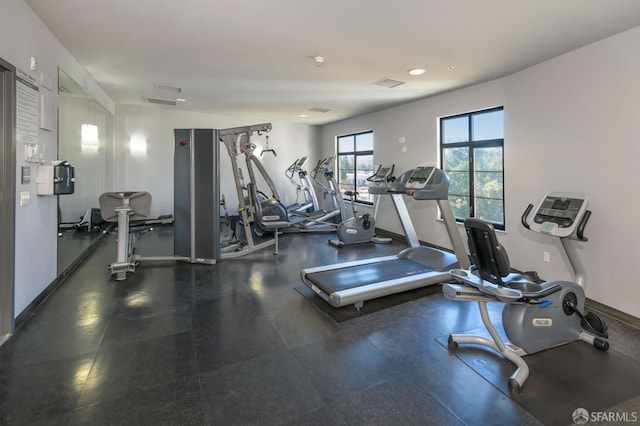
559	214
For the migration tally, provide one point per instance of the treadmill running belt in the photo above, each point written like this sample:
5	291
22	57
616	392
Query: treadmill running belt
357	276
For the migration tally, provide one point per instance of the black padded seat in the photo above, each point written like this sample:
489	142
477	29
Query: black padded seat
138	201
530	289
493	265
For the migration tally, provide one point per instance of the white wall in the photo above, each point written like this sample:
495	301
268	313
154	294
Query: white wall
570	125
153	172
573	121
24	36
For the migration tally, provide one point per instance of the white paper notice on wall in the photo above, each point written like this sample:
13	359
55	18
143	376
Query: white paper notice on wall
26	108
47	111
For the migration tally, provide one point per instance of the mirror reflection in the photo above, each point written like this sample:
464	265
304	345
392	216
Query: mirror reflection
85	135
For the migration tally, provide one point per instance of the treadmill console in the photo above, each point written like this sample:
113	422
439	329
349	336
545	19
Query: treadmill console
380	181
421	176
382	174
559	213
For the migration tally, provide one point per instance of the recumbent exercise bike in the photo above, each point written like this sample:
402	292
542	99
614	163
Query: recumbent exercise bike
537	315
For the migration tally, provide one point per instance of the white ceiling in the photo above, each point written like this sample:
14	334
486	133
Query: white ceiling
255	57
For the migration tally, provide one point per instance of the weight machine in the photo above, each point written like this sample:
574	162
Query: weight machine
237	142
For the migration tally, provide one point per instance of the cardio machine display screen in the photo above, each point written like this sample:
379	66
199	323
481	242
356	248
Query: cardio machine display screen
561	204
421	174
383	171
560	210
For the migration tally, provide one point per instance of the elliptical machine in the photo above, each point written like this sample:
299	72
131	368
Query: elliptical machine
361	229
537	315
303	185
328	189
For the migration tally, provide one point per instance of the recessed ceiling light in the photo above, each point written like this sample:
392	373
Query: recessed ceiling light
181	100
303	115
417	71
451	68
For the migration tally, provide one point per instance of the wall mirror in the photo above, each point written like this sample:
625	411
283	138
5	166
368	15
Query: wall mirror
85	140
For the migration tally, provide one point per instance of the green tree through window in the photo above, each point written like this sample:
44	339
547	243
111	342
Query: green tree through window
355	164
471	149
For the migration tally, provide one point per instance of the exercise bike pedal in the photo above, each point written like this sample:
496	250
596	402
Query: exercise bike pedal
594	324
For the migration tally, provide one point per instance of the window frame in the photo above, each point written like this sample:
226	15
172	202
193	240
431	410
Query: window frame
355	153
471	145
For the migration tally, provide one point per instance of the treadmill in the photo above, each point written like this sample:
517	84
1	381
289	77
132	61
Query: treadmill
417	266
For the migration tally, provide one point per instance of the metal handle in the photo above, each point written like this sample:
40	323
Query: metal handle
582	225
523	219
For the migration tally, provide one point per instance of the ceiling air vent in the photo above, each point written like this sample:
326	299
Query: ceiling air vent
317	109
387	82
160	101
167	88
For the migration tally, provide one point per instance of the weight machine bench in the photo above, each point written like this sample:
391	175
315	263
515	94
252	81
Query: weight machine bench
129	210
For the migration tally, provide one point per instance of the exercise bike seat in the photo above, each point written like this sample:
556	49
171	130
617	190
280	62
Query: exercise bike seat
530	289
493	264
477	286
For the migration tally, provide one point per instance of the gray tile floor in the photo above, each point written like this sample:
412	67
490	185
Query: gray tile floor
235	343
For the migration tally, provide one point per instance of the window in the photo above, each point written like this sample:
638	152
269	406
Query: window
471	149
355	164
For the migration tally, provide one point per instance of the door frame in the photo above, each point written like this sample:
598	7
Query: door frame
7	196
